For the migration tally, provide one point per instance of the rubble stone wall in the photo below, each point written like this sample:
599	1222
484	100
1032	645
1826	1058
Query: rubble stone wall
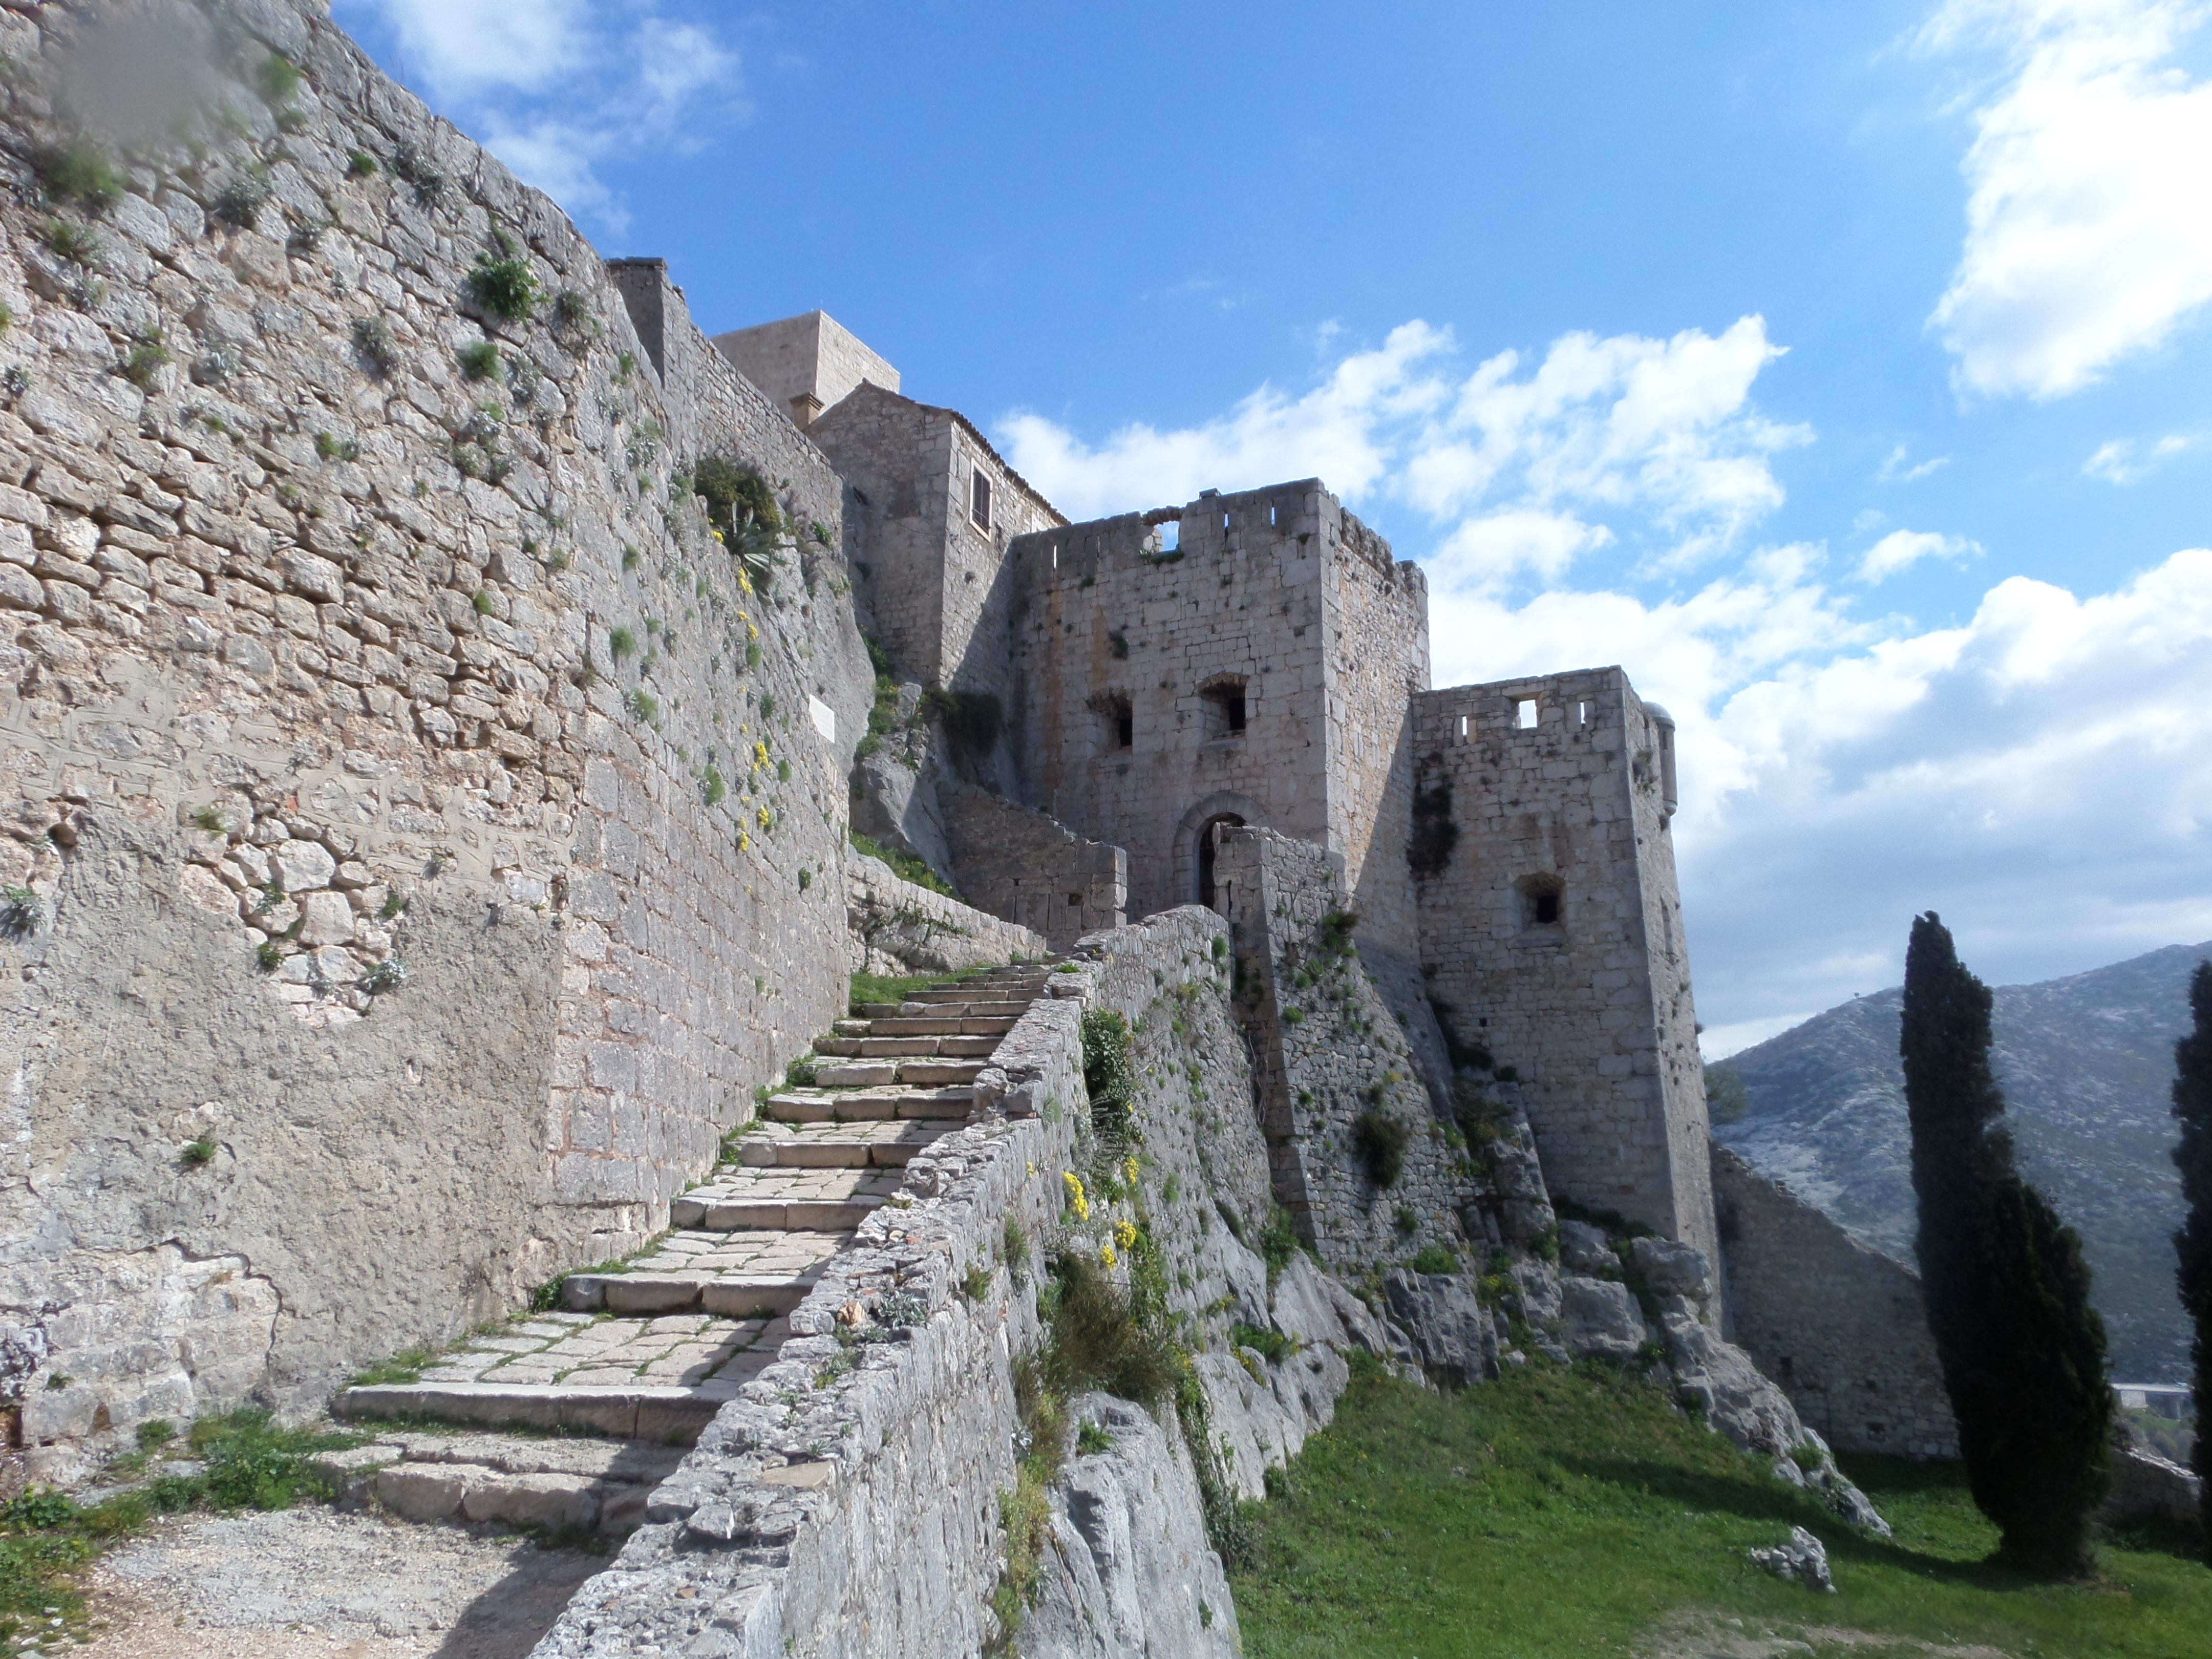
380	723
897	927
1017	863
1566	818
1839	1326
1331	1053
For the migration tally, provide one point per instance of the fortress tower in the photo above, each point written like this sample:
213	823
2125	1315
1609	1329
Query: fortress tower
1259	659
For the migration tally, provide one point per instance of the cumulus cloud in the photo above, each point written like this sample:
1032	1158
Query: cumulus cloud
1519	460
2089	217
558	89
1902	549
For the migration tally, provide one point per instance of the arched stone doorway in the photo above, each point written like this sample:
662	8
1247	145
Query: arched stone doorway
1205	852
1193	881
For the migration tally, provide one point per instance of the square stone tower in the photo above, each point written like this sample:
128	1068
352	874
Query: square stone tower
1241	659
806	363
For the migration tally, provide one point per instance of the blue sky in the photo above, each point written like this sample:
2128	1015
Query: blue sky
1841	371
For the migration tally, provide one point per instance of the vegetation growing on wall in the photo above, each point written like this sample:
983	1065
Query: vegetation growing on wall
2192	1106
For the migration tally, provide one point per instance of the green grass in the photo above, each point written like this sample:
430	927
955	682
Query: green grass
878	988
1572	1513
47	1539
905	866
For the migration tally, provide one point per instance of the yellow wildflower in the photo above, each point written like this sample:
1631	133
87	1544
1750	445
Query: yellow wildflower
1129	1171
767	819
1125	1234
1106	1255
744	841
760	755
1077	1199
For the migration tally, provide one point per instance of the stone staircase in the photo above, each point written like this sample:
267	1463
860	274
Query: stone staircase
639	1357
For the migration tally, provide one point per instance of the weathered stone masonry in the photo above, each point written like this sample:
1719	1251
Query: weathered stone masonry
326	637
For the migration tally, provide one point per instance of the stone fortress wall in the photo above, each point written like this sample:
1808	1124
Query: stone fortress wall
1545	879
932	563
1840	1327
426	846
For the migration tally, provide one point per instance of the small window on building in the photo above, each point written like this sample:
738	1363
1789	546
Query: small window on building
1273	522
1224	521
1117	724
1543	901
1224	709
1465	721
1524	713
1171	535
1582	713
979	499
1075	901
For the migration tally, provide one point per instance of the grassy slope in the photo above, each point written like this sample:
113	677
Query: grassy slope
1568	1513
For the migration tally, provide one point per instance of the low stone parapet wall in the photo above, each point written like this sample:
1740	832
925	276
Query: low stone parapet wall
896	926
1017	862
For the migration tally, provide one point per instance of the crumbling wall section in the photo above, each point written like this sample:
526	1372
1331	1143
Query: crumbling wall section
897	927
1837	1324
1018	863
1340	1101
1551	931
378	716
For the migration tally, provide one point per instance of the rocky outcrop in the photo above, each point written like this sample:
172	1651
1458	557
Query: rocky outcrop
1128	1570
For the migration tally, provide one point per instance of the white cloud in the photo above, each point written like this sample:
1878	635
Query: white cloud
1337	431
1903	548
559	88
1897	468
1660	428
2115	462
468	45
2089	221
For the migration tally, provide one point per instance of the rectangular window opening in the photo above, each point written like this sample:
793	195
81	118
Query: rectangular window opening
1171	535
979	499
1224	709
1465	721
1582	713
1273	522
1224	521
1524	713
1075	901
1055	556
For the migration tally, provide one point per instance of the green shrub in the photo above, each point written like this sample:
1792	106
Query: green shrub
505	287
361	164
621	643
1268	1343
80	174
644	705
198	1154
735	493
712	788
1107	1073
278	77
905	866
800	1074
372	339
240	203
1097	1342
148	358
1092	1439
1379	1140
1437	1259
479	361
331	447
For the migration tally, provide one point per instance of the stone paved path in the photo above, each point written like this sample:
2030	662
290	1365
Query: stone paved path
649	1351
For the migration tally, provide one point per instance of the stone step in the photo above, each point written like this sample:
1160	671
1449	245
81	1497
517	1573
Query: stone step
883	1143
876	1048
647	1375
554	1484
733	1274
753	1199
862	1105
852	1076
955	1025
672	1415
940	1072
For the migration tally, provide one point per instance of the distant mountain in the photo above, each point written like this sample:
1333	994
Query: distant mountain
2087	1064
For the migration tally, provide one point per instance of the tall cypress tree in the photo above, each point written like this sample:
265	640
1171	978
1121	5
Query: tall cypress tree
2007	1289
2192	1104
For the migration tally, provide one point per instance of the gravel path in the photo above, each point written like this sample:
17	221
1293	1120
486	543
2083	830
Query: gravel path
310	1584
